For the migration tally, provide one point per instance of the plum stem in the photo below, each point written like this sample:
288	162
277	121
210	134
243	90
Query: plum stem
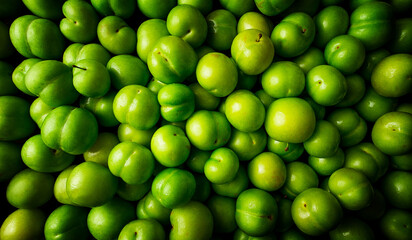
79	67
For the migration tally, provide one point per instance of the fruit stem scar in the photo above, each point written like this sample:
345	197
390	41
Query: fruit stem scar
303	30
79	67
259	37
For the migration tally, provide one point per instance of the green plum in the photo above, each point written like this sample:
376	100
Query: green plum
133	192
316	211
368	159
238	7
67	221
244	111
373	105
212	68
352	228
144	228
91	78
90	184
171	60
15	121
391	133
204	6
170	146
39	111
120	8
37	37
173	187
293	35
37	156
188	23
221	25
137	106
283	79
255	20
30	189
19	74
289	152
391	76
267	171
45	8
233	188
330	22
102	108
396	224
264	97
325	166
203	99
290	120
222	166
253	51
273	7
80	22
148	33
107	221
101	149
60	187
401	42
132	162
177	102
52	81
351	126
247	145
156	8
223	210
326	85
346	53
116	35
371	23
78	51
127	70
10	160
356	89
126	132
24	224
150	208
324	141
71	129
396	190
193	214
352	188
371	59
256	212
299	177
309	59
208	130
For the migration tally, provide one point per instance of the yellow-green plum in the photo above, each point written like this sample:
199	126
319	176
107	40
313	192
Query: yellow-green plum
373	105
283	79
289	152
39	110
233	188
396	190
325	166
193	221
78	51
290	120
244	111
148	33
127	70
133	192
212	68
273	7
143	229
255	20
223	210
309	59
324	141
156	8
238	7
132	162
45	8
120	8
391	77
19	74
253	51
90	184
177	102
137	106
101	149
355	91
126	132
247	145
60	187
330	22
395	223
401	42
102	108
24	224
267	171
299	177
150	208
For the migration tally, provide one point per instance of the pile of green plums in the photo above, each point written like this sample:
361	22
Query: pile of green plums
205	119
